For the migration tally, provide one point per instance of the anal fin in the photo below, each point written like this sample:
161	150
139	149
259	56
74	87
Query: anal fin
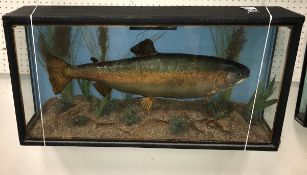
147	103
102	89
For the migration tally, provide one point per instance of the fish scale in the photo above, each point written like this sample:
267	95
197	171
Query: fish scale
175	75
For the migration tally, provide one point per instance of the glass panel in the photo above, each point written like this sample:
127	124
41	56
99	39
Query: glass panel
300	116
166	83
269	88
303	103
26	81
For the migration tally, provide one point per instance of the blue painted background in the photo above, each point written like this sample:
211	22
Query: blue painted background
192	40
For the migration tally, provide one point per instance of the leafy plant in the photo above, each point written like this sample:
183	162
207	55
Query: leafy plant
178	125
221	37
262	100
62	42
65	104
235	44
85	87
130	118
80	120
127	97
101	105
103	42
97	47
157	36
57	40
215	109
228	43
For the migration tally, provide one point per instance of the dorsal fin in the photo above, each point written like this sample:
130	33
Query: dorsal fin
144	48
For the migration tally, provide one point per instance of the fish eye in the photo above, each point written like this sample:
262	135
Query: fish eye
239	74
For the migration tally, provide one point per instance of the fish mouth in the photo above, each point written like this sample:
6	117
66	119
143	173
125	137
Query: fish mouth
245	75
246	71
240	81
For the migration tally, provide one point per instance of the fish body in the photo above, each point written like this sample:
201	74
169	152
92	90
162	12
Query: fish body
174	75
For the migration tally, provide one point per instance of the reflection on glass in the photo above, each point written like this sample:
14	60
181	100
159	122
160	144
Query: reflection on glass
178	83
303	103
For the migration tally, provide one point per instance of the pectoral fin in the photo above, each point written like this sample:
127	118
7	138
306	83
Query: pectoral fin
102	89
144	48
147	103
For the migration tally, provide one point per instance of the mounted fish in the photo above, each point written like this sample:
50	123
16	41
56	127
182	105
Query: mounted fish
185	77
152	74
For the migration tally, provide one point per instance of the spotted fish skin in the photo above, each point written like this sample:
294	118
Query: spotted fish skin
160	75
152	74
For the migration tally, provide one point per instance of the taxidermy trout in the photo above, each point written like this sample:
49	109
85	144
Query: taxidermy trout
152	74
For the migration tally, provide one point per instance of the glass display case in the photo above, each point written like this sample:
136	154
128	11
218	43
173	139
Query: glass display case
182	77
301	104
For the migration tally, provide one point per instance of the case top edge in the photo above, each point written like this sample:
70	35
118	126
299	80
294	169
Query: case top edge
151	14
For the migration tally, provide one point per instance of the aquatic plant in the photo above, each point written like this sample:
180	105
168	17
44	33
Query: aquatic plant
103	42
232	52
98	50
216	109
228	43
97	46
80	120
57	41
221	37
262	100
100	105
65	104
85	87
178	125
157	36
236	43
127	97
130	117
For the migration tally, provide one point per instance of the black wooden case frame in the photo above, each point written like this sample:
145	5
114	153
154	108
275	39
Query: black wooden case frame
154	16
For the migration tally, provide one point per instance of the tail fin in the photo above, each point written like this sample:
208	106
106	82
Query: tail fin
56	69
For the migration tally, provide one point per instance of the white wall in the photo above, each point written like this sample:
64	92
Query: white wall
291	158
